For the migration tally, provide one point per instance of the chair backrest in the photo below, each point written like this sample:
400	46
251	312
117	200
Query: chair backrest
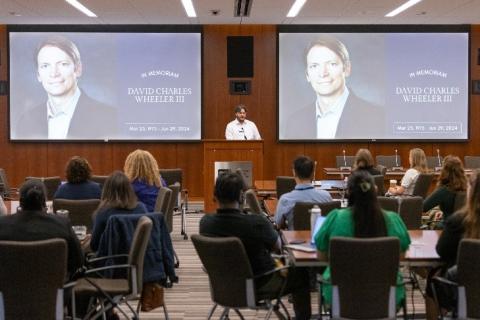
228	268
99	179
340	161
389	161
79	211
284	184
472	162
172	176
136	255
469	279
411	209
434	162
389	203
32	274
163	200
422	185
460	200
51	184
359	293
301	213
380	183
252	202
382	169
168	214
4	181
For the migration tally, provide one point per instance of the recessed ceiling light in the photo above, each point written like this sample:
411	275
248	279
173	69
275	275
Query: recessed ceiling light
402	8
295	9
82	8
189	9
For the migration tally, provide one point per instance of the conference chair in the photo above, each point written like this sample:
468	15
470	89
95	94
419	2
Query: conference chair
232	283
389	161
172	176
357	291
472	162
389	203
422	185
32	275
434	162
51	184
301	213
382	169
169	214
467	286
8	192
99	179
348	161
163	200
80	212
252	202
284	184
380	183
411	210
109	293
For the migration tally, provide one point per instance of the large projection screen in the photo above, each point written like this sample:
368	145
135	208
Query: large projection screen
105	85
373	85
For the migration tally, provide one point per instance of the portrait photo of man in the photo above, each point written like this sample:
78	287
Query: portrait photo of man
68	112
336	112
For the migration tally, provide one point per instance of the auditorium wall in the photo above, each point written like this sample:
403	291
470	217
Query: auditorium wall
48	159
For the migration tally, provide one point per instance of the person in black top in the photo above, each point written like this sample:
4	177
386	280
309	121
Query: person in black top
259	239
32	223
364	161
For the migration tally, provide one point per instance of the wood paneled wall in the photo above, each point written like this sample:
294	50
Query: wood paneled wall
48	159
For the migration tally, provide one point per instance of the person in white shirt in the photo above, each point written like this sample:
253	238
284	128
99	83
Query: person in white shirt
418	164
241	128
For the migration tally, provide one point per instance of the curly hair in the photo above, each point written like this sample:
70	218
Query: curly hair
141	165
78	170
452	175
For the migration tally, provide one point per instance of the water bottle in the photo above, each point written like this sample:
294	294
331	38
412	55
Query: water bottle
315	212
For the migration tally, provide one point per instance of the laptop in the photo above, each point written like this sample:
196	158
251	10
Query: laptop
318	224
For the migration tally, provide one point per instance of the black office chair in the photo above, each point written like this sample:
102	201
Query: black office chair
422	185
380	183
301	213
472	162
348	161
389	203
284	184
411	210
434	162
389	161
51	184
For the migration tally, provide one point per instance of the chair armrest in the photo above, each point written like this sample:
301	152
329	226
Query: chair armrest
445	281
271	272
115	256
115	266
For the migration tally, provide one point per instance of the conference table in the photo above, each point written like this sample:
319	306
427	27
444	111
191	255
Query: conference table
421	252
268	188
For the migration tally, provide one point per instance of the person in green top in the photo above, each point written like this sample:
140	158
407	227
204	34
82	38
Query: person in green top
363	219
452	180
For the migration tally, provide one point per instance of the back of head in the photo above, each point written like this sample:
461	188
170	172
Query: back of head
453	175
303	167
118	192
32	195
78	170
141	165
418	160
362	198
363	159
228	188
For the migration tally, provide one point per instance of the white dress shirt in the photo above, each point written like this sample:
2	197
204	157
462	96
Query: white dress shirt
242	131
59	118
327	122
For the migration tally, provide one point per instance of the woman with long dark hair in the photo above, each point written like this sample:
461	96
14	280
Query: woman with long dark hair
362	219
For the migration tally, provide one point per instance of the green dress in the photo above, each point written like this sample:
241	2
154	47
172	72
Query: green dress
339	223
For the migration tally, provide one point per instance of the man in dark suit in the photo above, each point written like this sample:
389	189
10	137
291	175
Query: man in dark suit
337	112
68	113
32	223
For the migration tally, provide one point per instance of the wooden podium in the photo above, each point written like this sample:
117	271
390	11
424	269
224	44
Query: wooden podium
228	150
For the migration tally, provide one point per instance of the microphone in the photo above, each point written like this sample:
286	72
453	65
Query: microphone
438	158
396	158
243	131
344	158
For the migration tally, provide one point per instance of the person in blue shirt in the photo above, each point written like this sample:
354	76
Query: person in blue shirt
78	185
303	170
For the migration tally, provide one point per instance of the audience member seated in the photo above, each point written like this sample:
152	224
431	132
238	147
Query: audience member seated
118	197
141	169
303	171
452	180
363	219
32	223
418	164
78	185
3	208
364	161
259	239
